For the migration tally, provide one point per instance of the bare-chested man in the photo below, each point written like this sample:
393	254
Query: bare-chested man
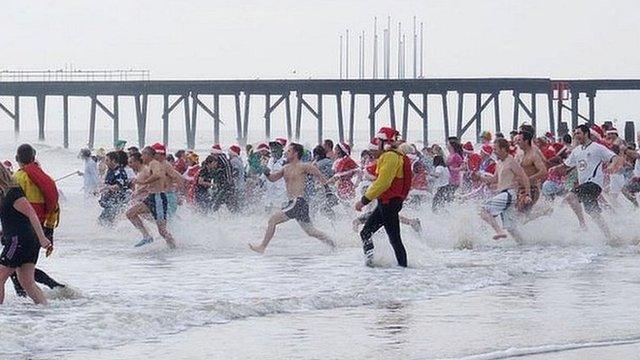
533	164
154	181
509	176
294	174
175	181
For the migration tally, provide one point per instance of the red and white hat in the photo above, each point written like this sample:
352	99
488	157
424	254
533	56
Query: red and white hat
263	147
345	148
467	147
281	141
235	150
374	143
597	131
216	149
159	148
612	131
387	134
487	149
7	164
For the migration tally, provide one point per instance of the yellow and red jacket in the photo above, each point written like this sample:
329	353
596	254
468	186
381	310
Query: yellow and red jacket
393	178
41	191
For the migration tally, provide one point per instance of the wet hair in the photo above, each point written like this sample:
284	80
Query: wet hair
502	143
25	154
513	133
499	135
319	152
170	158
366	153
528	128
585	130
339	152
526	135
136	157
122	158
149	150
133	149
567	139
328	143
208	160
179	154
457	148
298	149
439	161
85	153
113	156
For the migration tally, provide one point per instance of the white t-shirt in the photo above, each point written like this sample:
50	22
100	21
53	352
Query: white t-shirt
589	161
440	177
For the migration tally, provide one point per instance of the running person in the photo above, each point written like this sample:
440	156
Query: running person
589	158
391	188
155	183
509	177
22	238
294	174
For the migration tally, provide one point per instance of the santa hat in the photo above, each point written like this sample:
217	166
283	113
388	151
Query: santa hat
235	150
159	148
7	164
374	143
549	152
612	131
597	131
387	134
216	150
371	168
467	147
281	141
487	149
263	147
345	148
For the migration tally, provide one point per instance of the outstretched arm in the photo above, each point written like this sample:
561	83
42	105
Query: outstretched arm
313	170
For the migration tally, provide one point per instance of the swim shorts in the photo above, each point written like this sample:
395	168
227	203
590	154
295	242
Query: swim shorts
297	209
157	205
502	204
588	194
19	250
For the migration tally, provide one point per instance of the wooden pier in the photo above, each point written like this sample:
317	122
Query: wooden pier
310	101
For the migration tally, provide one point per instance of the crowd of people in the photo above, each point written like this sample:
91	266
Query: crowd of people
514	180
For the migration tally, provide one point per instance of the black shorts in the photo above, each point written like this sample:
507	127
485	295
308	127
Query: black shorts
297	209
157	205
19	250
588	194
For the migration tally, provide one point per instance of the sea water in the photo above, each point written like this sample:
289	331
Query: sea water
213	297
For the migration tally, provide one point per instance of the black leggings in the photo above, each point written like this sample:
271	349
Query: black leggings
385	215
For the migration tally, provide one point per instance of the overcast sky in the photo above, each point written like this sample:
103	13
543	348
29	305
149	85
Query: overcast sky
271	39
299	39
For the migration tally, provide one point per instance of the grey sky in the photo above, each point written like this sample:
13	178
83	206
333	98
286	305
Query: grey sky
271	39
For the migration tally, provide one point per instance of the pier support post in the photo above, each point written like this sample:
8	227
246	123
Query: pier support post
340	118
320	119
552	125
460	112
247	102
116	119
592	107
40	100
352	112
425	120
298	114
16	116
191	134
372	116
187	120
216	119
445	115
165	119
496	111
575	97
478	116
267	116
239	137
405	114
516	109
65	121
534	112
141	117
287	101
92	122
392	111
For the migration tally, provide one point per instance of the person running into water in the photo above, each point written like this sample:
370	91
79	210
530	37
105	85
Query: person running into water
42	193
153	179
22	238
114	192
294	174
589	158
509	177
533	163
391	188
